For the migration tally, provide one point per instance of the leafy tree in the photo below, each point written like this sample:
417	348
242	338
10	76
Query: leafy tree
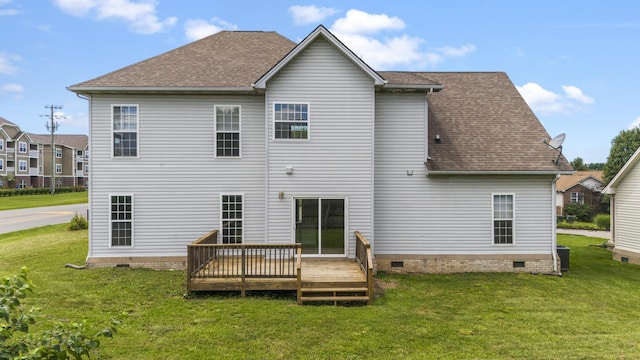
622	147
63	341
595	166
578	164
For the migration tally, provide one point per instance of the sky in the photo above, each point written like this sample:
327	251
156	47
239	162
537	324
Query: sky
576	62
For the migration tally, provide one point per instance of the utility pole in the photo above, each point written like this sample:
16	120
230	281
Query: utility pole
52	128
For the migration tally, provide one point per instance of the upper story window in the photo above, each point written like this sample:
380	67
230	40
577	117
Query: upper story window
291	121
22	165
502	217
58	168
125	130
1	165
1	144
577	198
22	147
121	220
227	130
58	153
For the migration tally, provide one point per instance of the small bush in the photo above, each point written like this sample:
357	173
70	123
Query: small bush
603	221
582	212
577	226
78	222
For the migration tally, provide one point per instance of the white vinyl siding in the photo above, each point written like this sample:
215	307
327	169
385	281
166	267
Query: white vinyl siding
424	214
627	212
336	161
178	182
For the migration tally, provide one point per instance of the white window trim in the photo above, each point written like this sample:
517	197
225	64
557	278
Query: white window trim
20	146
58	151
579	198
133	224
273	120
221	239
1	144
137	132
513	219
20	162
1	164
215	126
59	166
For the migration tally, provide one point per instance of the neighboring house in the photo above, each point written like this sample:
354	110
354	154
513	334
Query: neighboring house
583	187
624	192
25	159
275	142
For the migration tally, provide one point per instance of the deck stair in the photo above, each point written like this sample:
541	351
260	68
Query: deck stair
334	294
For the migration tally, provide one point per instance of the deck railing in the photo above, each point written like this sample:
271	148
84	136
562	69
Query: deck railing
207	259
365	259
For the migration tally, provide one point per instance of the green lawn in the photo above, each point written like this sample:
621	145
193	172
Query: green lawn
592	312
30	201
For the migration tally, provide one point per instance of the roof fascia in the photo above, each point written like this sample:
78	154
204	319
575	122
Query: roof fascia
261	83
628	166
524	172
173	90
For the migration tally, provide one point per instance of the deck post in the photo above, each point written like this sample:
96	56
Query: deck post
299	272
243	274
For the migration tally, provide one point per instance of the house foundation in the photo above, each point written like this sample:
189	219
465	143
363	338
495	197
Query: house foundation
154	263
626	256
445	264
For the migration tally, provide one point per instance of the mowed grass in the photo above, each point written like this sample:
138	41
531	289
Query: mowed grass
31	201
592	312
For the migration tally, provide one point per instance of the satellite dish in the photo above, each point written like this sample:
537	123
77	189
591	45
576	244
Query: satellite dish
557	141
556	144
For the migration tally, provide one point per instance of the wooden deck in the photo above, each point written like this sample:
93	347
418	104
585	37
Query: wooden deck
215	267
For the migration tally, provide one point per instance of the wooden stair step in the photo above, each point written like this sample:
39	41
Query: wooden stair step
345	289
334	298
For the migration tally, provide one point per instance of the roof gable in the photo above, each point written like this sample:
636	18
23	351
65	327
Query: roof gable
568	181
626	169
261	83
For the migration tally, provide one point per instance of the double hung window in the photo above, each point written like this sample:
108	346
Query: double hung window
577	198
125	131
227	131
503	216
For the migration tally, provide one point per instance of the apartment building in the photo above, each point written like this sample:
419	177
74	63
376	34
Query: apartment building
28	160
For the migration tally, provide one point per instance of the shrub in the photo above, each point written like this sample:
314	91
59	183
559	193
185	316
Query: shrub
582	212
603	221
78	222
17	341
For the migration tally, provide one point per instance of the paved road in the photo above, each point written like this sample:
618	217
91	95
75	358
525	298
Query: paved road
589	233
14	220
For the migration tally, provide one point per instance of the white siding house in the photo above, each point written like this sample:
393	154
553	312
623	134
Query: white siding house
624	191
306	143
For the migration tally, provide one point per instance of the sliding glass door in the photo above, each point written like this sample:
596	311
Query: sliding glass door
319	225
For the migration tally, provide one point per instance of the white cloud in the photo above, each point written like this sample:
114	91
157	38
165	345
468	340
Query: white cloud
12	88
575	93
6	63
547	102
7	12
303	15
357	30
141	16
360	22
197	29
635	123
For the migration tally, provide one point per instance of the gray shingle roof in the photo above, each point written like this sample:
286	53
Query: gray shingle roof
485	126
227	59
74	141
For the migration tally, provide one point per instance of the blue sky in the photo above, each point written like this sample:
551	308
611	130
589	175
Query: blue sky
575	62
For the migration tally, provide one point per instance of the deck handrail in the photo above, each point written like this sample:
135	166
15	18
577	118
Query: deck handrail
365	259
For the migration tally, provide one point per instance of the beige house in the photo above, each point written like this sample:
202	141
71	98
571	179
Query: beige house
26	159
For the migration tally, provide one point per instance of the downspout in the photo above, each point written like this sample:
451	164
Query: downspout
554	225
266	167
